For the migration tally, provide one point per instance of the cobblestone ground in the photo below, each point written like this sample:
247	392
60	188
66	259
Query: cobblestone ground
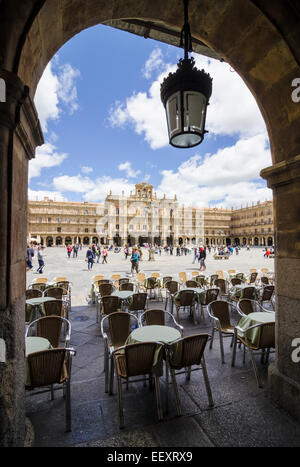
242	415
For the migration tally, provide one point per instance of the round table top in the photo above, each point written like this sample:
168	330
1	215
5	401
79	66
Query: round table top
195	289
36	344
39	300
123	293
155	333
262	317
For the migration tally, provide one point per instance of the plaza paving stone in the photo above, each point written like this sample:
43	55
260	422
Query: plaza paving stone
242	415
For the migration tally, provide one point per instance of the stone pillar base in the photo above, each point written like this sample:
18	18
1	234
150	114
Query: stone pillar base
284	391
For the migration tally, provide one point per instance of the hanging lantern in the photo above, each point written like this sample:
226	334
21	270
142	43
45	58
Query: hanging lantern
185	95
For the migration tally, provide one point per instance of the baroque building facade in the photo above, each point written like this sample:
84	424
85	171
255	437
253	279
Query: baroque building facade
142	217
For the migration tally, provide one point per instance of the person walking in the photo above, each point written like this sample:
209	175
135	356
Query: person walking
134	260
104	255
90	258
195	255
202	258
40	256
69	250
28	259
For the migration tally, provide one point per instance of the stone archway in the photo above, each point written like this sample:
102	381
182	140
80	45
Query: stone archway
259	40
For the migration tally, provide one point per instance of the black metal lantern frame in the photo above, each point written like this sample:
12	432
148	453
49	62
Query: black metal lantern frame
185	95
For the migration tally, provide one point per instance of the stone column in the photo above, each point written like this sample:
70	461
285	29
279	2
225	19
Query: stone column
20	133
284	374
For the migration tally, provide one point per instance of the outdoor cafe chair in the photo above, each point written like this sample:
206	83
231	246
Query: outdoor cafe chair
138	303
52	367
220	274
110	304
56	308
115	278
104	289
33	293
119	326
209	296
201	280
136	360
251	279
222	284
182	277
191	283
123	280
266	341
60	279
264	280
245	306
42	286
50	327
126	286
140	277
151	284
219	312
267	294
212	279
185	299
41	280
192	353
158	317
60	294
172	287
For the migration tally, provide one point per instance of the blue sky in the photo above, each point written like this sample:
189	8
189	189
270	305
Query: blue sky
104	127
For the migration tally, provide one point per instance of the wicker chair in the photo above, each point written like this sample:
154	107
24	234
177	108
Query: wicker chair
186	299
52	367
115	279
55	308
267	294
172	287
182	277
195	273
138	303
220	274
140	277
104	289
110	304
137	360
219	312
201	281
191	283
158	317
222	284
236	281
152	284
40	286
264	280
33	293
266	342
240	275
212	279
50	328
245	306
119	326
123	280
60	279
60	294
192	353
156	274
41	280
231	271
252	278
210	296
126	286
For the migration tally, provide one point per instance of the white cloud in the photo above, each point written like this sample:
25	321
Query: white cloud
126	166
76	183
56	92
227	178
46	156
86	169
154	63
41	194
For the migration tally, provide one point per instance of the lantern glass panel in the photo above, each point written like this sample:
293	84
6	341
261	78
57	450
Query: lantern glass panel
173	114
194	111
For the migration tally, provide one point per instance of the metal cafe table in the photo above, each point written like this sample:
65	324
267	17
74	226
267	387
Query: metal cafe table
34	344
36	304
123	295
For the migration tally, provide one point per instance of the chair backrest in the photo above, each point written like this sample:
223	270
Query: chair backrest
154	317
110	304
192	350
236	281
221	310
246	306
264	280
222	284
98	277
140	277
231	271
265	270
253	277
252	270
151	282
172	286
182	277
105	289
220	274
201	280
45	367
211	295
139	358
186	297
64	285
61	279
267	292
240	275
33	293
50	327
155	274
138	302
115	277
119	327
248	292
41	280
55	292
213	278
166	279
191	283
54	307
195	273
42	286
102	281
126	286
267	336
123	280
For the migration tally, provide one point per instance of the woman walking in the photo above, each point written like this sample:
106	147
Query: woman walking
202	258
90	258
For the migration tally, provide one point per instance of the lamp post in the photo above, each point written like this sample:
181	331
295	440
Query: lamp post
185	95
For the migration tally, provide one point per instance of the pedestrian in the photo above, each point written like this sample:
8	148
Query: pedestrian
104	255
202	257
40	256
28	259
98	253
126	251
195	254
69	250
90	258
134	260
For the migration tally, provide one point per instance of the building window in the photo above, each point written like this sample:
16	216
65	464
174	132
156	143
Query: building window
49	219
131	227
58	229
86	221
58	219
95	230
117	226
86	230
68	220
